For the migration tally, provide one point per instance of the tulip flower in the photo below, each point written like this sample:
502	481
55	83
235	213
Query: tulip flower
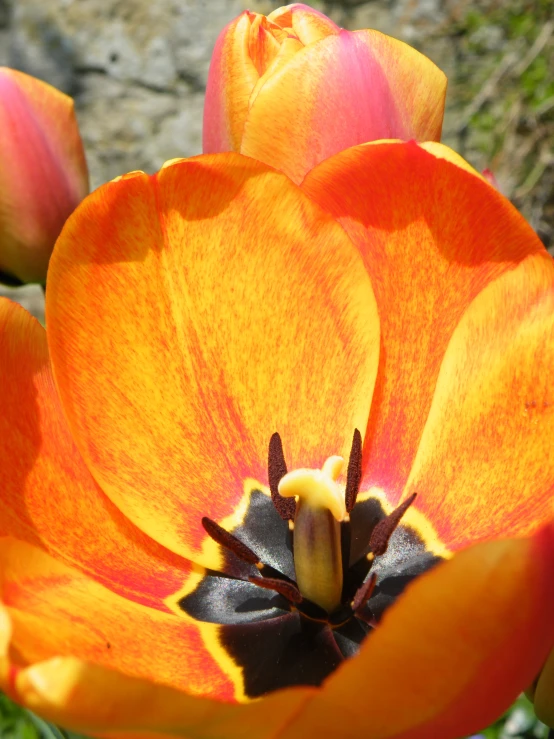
233	363
43	173
293	89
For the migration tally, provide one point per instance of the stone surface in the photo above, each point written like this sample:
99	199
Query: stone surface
136	68
31	297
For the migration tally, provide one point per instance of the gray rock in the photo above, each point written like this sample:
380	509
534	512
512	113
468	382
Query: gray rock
31	297
137	70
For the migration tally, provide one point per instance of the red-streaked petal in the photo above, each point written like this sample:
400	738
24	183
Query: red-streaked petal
339	92
452	654
49	498
485	463
56	610
448	658
104	703
191	316
433	235
43	172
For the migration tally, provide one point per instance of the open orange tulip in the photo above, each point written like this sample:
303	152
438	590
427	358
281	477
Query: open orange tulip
291	89
43	173
227	353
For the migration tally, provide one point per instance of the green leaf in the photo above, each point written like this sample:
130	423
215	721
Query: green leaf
47	731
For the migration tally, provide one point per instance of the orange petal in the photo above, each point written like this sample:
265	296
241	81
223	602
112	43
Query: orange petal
56	610
341	91
544	693
43	172
485	460
307	24
6	631
103	703
451	655
432	234
190	316
49	498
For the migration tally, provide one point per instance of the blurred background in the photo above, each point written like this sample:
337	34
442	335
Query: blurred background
137	70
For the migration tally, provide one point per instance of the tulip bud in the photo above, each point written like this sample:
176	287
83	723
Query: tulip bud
542	693
43	173
292	89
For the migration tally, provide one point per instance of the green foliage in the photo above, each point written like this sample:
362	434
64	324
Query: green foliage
519	723
501	114
16	723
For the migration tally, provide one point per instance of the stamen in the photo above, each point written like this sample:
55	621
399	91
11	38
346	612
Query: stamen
284	588
354	472
364	593
230	542
367	619
276	470
383	531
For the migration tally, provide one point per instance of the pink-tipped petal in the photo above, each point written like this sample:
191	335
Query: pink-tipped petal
43	172
341	91
231	79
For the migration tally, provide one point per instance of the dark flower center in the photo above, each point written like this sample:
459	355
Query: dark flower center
269	628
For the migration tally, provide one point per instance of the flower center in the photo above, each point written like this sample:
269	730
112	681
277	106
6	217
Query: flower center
306	574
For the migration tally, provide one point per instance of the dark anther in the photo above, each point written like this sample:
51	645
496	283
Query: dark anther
284	588
276	469
383	531
354	472
227	540
345	543
363	594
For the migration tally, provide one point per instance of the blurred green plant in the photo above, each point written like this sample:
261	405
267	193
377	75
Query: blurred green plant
17	723
503	86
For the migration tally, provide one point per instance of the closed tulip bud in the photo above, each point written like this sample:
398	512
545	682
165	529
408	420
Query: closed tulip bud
542	693
291	89
43	173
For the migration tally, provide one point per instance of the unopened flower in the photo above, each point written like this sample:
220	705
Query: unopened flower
292	89
43	173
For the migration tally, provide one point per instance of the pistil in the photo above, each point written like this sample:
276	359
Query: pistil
320	508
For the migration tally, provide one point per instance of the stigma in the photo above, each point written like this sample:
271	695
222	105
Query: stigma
320	509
